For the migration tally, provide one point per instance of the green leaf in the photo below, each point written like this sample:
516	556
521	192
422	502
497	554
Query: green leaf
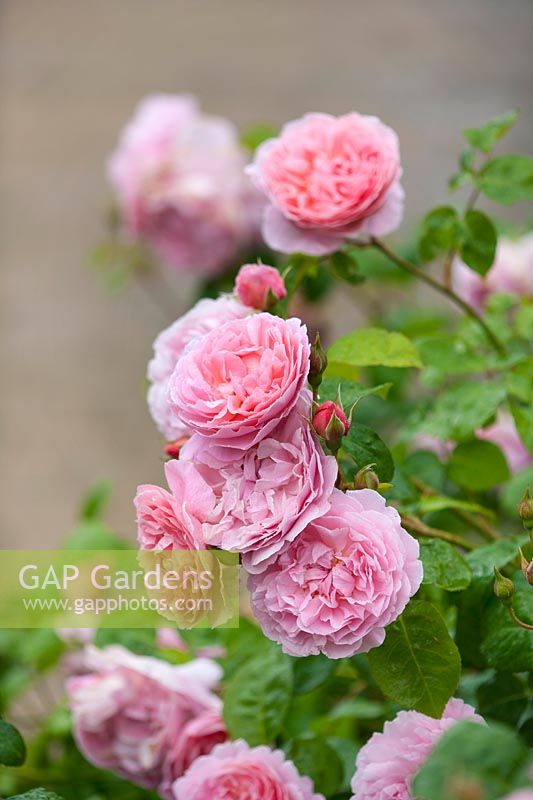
477	465
257	698
450	355
463	408
486	757
359	708
365	447
440	232
444	566
498	554
485	137
315	758
503	697
418	665
478	247
37	794
523	417
311	672
93	534
96	500
507	646
507	179
12	747
346	267
428	504
370	347
255	135
514	489
351	391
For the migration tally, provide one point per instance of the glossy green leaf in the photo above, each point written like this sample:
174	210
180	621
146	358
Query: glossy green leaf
498	554
478	247
463	408
311	672
315	758
370	347
444	566
37	794
486	136
364	447
440	232
507	646
507	179
477	465
12	747
351	392
418	665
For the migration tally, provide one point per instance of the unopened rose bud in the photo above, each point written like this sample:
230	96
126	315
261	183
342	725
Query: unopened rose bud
525	509
366	478
318	362
526	567
259	286
172	449
331	423
503	587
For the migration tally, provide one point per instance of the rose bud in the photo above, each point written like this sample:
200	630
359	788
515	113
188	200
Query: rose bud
259	286
525	510
366	478
331	423
317	363
526	567
503	588
172	449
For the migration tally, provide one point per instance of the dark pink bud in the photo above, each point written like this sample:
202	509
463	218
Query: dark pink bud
172	449
330	421
259	286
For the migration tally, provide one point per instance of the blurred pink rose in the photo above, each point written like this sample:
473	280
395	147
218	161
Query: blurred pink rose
205	316
387	763
254	282
512	271
168	521
347	576
132	713
169	639
521	794
262	500
504	434
235	771
179	178
328	179
239	381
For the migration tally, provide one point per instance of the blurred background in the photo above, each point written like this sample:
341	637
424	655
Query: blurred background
72	356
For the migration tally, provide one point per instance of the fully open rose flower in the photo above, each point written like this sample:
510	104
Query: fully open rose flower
205	316
387	763
179	178
328	179
512	271
143	718
235	771
504	434
238	382
347	576
261	501
169	521
256	282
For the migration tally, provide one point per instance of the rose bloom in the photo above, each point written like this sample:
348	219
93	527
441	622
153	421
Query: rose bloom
347	576
387	763
261	501
512	272
504	434
235	771
137	716
329	179
205	316
169	520
179	179
239	381
254	282
521	794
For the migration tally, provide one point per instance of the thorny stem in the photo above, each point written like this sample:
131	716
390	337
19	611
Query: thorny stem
408	266
518	621
417	526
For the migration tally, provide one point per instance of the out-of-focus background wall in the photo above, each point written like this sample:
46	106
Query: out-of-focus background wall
72	357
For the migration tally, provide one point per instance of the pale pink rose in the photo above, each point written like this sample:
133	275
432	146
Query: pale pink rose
347	576
254	282
504	434
262	500
179	179
387	763
238	382
169	639
512	272
169	521
131	712
235	771
424	441
329	179
205	316
76	635
521	794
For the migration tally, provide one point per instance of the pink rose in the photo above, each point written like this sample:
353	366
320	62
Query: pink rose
169	521
347	576
254	282
234	771
180	184
330	421
511	272
205	316
262	500
387	763
504	434
328	179
133	713
521	794
238	382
